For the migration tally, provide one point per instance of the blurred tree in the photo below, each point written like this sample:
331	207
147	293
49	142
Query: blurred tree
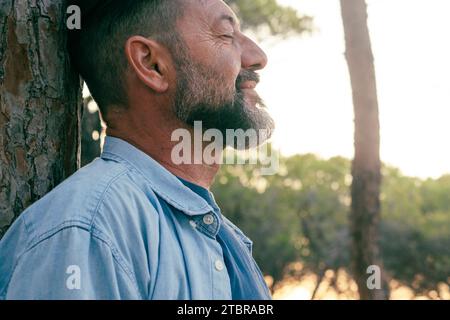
40	103
92	128
366	167
414	233
298	214
268	14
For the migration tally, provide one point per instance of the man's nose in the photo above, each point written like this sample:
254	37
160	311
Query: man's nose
253	57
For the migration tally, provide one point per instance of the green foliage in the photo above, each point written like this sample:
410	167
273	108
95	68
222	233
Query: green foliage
301	214
278	20
416	229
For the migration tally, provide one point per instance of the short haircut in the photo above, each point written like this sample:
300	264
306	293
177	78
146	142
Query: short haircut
98	49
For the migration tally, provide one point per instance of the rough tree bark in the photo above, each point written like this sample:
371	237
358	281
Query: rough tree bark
40	104
366	166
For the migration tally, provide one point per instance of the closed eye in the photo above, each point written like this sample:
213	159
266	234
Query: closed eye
228	36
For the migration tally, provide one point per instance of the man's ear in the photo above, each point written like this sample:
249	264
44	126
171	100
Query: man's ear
148	59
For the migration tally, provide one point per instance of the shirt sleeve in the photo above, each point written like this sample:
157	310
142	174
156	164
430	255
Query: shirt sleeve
71	264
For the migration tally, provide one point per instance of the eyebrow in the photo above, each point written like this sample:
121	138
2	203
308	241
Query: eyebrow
231	19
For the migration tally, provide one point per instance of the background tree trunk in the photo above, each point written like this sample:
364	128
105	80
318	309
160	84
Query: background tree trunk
40	104
366	167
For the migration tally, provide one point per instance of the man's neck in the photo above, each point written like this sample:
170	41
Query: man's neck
158	145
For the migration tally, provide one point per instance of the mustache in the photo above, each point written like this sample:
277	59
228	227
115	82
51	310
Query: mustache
247	75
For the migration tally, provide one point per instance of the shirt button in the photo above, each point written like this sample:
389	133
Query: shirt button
208	219
219	265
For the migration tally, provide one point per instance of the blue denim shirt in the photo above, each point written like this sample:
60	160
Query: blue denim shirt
246	280
122	227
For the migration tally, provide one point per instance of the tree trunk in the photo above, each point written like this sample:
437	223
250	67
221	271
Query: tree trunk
366	166
40	104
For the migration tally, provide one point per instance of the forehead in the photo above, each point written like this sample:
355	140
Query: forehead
210	10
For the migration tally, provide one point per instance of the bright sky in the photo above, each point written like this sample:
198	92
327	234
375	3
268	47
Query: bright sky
306	84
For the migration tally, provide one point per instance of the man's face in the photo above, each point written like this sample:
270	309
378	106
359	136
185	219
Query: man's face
216	66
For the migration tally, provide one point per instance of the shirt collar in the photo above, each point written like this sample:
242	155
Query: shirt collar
162	182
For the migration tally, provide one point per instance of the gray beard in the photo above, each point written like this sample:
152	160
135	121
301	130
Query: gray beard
217	110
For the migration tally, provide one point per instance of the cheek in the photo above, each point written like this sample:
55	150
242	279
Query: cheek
222	63
227	68
231	65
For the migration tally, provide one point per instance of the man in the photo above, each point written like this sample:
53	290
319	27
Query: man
132	224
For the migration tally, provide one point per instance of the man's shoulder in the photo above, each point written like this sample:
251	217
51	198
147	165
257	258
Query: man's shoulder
80	200
100	205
